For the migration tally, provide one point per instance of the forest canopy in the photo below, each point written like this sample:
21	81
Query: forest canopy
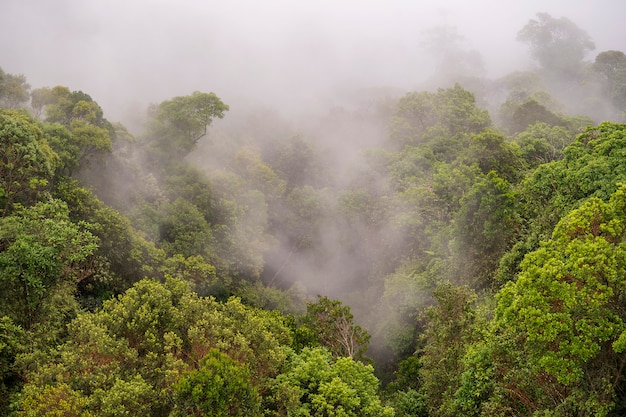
466	259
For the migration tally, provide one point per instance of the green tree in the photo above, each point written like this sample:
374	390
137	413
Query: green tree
484	229
177	124
332	326
611	67
26	160
315	385
448	333
53	401
127	357
219	387
541	143
14	90
90	133
41	252
12	343
559	45
423	116
491	152
564	315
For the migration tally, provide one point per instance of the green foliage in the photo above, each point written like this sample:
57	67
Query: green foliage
611	67
541	143
423	116
517	117
123	256
564	315
177	124
126	357
219	387
184	230
53	401
90	133
557	44
41	250
448	333
14	90
314	385
12	340
484	228
491	152
332	326
26	160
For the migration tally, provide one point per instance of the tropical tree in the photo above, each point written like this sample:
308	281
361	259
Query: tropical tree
317	385
560	326
26	161
179	123
559	45
331	324
14	90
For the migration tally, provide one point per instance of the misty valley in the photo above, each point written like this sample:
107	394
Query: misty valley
453	250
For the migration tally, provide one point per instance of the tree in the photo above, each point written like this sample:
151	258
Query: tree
484	228
564	316
541	143
557	44
26	160
445	44
127	357
331	324
517	117
177	124
90	134
41	252
315	385
423	116
220	387
611	66
491	152
14	90
448	333
12	341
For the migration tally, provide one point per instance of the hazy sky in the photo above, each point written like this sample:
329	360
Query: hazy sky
126	53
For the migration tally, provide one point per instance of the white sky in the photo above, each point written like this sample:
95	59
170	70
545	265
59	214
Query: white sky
127	53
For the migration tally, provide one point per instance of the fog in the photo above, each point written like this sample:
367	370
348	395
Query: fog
285	68
286	54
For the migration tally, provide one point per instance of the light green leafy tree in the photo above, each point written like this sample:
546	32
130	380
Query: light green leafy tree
26	160
220	387
41	252
563	321
315	385
127	357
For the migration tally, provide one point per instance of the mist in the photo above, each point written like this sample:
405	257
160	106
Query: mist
327	72
292	56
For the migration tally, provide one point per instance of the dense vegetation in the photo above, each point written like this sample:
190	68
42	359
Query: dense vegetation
478	251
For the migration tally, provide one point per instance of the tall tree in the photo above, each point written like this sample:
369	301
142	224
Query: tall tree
14	90
559	45
565	320
26	160
177	124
